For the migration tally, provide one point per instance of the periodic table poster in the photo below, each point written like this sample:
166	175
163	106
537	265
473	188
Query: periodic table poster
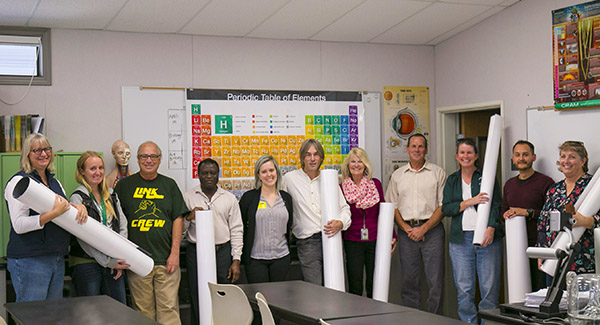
236	127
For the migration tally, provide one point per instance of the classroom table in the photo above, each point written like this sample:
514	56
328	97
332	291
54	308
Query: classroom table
408	317
99	310
305	303
496	317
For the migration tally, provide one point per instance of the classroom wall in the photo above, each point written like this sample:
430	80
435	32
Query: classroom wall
506	57
83	105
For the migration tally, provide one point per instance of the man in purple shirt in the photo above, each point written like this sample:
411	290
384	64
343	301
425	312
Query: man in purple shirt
416	189
524	195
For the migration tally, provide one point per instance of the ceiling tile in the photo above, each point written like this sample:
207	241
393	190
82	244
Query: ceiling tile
466	25
301	19
83	14
231	17
16	12
430	23
155	16
368	20
425	22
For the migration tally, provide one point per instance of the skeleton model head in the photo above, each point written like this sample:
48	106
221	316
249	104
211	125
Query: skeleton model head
121	152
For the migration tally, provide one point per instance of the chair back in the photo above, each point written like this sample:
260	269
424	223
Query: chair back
265	311
229	305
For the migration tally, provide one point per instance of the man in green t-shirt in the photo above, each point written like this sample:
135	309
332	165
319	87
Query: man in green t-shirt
154	207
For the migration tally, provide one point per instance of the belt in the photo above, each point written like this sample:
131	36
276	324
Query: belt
219	246
416	222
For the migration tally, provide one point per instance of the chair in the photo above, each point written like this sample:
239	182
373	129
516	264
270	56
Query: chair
265	311
229	305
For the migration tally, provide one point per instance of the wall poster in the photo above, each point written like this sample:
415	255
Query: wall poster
576	55
236	127
405	112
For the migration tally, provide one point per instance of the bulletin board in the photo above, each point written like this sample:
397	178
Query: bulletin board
236	127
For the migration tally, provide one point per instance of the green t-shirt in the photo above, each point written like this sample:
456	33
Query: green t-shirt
150	208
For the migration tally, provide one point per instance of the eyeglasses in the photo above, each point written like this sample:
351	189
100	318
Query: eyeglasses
144	157
47	150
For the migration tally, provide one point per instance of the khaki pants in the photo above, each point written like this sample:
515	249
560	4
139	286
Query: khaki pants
155	295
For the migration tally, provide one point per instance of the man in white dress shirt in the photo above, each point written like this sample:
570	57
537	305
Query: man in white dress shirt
228	228
304	187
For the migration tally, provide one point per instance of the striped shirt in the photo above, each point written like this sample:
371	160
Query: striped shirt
271	227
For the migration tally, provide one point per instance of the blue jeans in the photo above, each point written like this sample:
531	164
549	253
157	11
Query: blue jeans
37	278
468	261
91	279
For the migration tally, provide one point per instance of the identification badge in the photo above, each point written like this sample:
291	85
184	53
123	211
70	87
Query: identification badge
262	205
364	234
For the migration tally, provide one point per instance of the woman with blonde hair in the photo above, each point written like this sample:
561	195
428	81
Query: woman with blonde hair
267	217
363	193
93	272
36	246
573	163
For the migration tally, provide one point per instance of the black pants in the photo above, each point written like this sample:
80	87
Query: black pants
224	260
360	257
267	270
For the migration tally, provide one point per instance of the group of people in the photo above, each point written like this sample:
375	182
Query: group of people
150	210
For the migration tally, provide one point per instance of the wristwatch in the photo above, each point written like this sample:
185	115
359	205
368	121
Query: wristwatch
530	213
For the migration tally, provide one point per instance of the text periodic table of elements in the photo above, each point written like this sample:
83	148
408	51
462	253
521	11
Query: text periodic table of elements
236	127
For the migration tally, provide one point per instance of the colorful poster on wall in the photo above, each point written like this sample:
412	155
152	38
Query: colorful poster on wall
405	112
236	127
576	54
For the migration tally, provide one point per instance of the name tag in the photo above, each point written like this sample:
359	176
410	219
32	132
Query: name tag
262	205
364	234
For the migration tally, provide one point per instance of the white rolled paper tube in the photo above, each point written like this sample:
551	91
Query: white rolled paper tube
517	262
206	262
588	206
488	177
597	248
41	199
587	189
383	254
333	256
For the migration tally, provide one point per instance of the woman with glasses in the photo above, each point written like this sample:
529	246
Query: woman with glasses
470	262
363	193
573	163
267	216
93	272
36	246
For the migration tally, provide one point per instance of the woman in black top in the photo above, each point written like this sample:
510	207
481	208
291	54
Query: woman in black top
267	216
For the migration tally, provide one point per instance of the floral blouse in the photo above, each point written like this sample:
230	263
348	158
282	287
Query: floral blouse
556	199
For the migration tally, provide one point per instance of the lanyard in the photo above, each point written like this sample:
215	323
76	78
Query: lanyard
364	218
103	209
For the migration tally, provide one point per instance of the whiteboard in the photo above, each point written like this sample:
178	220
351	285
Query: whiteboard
372	141
155	115
547	129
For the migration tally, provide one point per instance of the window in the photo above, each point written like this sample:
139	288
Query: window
25	52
